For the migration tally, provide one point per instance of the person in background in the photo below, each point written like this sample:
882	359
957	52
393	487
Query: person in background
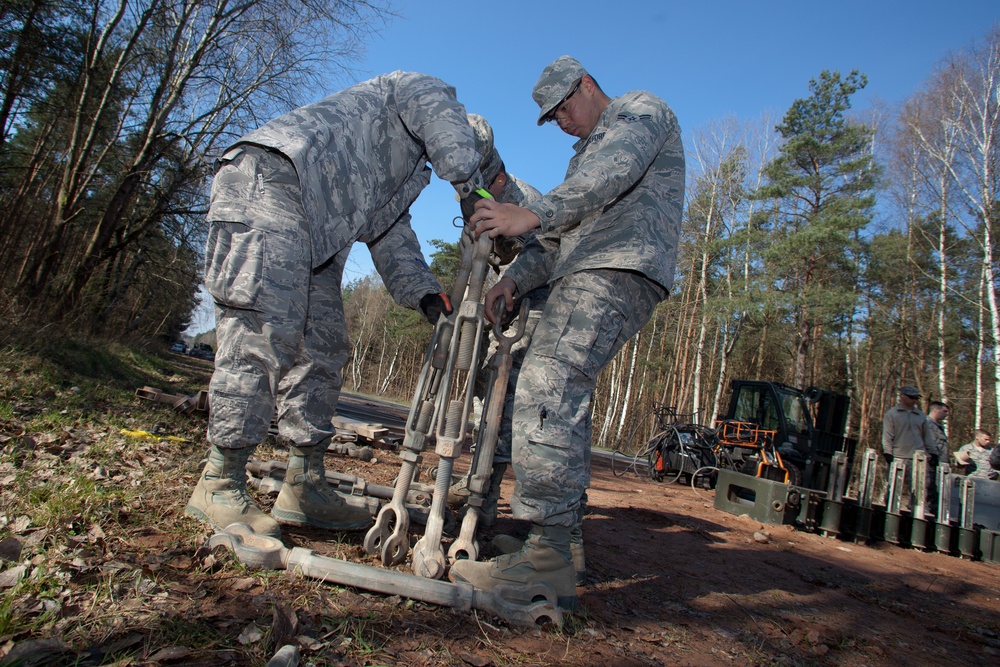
994	462
505	187
904	432
937	448
975	456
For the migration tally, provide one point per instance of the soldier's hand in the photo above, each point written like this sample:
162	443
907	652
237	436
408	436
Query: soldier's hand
888	458
496	219
505	290
933	460
433	305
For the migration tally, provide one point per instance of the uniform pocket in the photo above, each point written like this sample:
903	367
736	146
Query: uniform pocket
589	335
234	264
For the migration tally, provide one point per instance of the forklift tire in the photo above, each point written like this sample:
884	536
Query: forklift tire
794	474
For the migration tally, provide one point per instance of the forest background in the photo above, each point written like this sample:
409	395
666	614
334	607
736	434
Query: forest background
110	114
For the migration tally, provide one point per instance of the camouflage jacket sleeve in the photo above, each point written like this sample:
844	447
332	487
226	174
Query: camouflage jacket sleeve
431	112
516	191
399	260
536	255
608	163
533	266
935	440
621	203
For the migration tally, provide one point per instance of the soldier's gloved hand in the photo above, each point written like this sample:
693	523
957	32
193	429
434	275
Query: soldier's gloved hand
433	305
888	458
467	188
932	460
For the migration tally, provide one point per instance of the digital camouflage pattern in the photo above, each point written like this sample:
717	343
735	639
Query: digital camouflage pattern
361	156
586	321
491	163
288	201
555	83
280	327
607	248
937	440
980	457
621	203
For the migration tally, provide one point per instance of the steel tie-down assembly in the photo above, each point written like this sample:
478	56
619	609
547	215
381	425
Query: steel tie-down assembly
523	605
481	470
439	413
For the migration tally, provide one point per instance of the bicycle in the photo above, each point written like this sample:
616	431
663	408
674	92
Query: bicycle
679	447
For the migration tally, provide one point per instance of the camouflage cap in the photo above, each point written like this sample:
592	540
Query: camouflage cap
554	84
909	390
490	163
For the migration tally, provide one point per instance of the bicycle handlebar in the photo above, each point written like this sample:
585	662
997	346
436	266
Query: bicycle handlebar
667	415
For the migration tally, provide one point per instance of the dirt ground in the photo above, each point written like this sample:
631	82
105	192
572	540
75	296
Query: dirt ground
670	579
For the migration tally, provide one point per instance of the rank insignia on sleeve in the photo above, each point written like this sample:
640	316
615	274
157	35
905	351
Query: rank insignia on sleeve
633	118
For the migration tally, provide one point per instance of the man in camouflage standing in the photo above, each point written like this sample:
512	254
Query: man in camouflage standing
937	448
607	245
288	201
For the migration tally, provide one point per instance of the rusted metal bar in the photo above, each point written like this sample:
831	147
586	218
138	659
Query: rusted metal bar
522	605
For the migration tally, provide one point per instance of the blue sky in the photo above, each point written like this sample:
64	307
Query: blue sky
707	60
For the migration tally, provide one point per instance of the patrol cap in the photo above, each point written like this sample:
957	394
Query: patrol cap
909	390
554	84
490	163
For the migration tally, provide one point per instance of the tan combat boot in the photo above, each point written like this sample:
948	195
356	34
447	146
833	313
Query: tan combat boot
543	559
306	498
508	544
220	498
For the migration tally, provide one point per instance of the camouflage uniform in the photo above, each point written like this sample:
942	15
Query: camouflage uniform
607	247
936	444
288	201
980	457
520	193
937	440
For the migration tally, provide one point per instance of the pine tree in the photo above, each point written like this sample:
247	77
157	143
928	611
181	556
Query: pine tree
821	192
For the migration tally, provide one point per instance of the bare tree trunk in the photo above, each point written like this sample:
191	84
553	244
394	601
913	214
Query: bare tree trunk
981	348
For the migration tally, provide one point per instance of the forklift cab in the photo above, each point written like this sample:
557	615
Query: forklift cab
774	407
809	424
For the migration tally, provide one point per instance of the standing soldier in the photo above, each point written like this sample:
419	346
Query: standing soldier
937	448
607	245
904	432
288	201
